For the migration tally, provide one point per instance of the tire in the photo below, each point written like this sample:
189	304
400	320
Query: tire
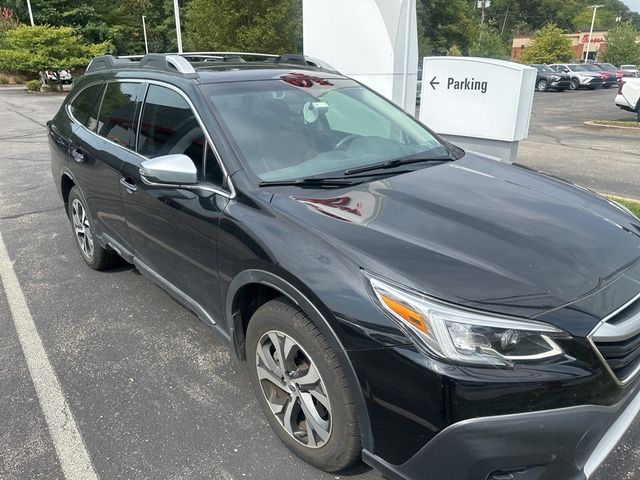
334	440
94	254
542	86
575	84
606	86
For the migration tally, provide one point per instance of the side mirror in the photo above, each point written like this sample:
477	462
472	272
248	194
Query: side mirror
169	170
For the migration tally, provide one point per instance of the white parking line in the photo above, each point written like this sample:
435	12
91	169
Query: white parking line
72	453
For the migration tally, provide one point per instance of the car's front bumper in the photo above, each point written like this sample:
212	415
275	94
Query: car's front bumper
567	443
560	84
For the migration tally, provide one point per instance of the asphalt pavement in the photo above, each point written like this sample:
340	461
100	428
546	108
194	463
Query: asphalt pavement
603	159
151	391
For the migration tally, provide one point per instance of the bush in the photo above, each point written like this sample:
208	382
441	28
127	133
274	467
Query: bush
33	85
3	80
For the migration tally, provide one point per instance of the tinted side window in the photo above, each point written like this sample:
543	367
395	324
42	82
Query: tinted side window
116	114
169	126
83	104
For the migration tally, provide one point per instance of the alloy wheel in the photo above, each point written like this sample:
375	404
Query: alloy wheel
542	86
294	389
82	228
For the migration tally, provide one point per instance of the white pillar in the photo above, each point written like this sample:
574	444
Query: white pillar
373	41
176	12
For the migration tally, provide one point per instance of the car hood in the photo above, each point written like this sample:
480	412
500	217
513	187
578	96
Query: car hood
477	232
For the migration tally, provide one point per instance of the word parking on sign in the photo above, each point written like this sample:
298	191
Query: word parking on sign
467	84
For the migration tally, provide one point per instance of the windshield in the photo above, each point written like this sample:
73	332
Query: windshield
544	69
577	68
591	68
298	126
608	66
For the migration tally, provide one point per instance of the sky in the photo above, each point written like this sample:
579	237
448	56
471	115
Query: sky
633	4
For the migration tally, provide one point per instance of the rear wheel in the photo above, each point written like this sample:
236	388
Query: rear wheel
301	387
575	84
94	254
542	86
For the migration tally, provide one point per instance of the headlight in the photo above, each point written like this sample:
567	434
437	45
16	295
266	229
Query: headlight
466	336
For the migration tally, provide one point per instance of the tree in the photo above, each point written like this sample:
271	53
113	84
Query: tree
240	25
489	44
444	23
36	49
604	20
7	21
621	46
549	45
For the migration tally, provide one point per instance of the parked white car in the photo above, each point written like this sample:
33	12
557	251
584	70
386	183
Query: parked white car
628	97
630	68
63	75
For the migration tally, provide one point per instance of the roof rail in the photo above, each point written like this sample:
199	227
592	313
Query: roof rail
179	63
158	61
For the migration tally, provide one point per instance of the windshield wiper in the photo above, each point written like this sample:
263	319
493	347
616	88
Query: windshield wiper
395	163
309	181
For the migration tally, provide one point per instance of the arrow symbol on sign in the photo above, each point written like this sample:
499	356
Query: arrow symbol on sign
433	83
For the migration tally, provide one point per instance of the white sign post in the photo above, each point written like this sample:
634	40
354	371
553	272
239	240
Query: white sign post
479	104
373	41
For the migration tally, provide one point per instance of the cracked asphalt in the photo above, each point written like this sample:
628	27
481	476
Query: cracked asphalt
154	393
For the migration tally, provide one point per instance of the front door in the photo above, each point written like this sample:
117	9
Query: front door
174	230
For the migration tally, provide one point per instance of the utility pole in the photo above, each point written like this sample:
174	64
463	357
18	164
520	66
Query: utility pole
144	30
176	11
593	20
484	5
504	24
30	12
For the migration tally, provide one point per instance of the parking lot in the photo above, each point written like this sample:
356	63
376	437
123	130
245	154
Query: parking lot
153	392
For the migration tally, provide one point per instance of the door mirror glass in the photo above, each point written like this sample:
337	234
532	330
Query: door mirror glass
176	169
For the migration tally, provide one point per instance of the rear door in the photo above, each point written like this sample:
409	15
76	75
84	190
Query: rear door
175	230
100	144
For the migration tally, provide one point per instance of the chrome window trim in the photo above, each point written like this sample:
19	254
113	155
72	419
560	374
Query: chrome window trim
627	332
146	82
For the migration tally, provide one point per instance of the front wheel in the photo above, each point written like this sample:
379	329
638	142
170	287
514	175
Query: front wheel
575	84
542	86
94	254
301	387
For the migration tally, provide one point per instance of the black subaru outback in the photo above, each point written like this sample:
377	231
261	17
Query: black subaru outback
434	312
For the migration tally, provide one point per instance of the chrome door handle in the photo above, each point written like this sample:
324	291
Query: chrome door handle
128	184
78	155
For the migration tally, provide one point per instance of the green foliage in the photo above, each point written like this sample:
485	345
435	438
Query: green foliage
7	21
454	51
604	20
549	46
34	49
238	25
445	23
489	44
621	45
33	85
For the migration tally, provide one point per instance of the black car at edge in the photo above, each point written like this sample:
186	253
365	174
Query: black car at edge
434	312
549	79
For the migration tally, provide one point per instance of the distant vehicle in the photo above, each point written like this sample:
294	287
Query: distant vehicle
630	68
549	79
613	69
580	76
628	97
609	79
63	76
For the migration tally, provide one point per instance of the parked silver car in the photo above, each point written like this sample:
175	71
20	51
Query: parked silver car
580	76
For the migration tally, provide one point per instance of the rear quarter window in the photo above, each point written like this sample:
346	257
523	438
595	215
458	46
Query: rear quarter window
115	121
84	103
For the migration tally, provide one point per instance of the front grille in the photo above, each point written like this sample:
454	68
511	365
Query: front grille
623	357
617	340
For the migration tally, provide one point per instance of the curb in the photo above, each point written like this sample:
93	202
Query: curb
595	125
